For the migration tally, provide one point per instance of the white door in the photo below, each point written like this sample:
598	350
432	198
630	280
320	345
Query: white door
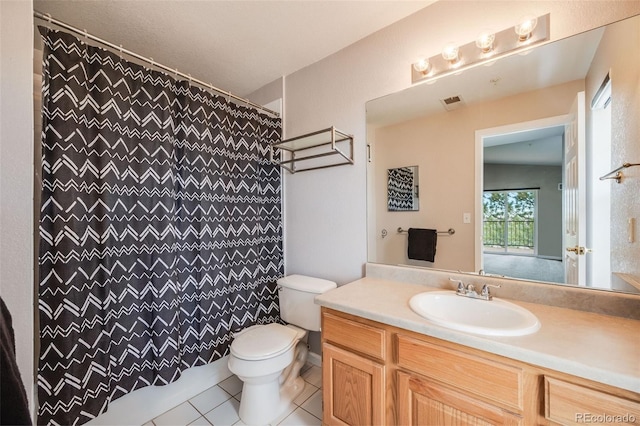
574	195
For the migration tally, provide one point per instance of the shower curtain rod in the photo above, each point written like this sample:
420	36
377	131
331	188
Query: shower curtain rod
47	17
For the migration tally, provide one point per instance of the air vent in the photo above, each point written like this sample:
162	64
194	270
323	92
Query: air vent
454	102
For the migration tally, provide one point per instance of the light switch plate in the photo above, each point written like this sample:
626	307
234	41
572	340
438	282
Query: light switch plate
466	217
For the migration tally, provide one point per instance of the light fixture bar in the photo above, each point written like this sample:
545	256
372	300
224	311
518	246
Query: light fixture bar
505	42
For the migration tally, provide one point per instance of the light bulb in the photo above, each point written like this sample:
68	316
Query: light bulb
423	66
526	26
485	41
450	53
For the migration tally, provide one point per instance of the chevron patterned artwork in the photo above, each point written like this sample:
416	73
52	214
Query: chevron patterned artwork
160	228
401	189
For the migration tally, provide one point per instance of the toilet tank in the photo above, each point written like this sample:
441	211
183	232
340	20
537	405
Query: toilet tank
296	294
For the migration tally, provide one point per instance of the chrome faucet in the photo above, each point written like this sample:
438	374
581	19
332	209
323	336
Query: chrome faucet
469	290
461	289
485	294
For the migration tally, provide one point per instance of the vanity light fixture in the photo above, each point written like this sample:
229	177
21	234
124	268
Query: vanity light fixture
488	47
451	53
485	40
525	27
423	66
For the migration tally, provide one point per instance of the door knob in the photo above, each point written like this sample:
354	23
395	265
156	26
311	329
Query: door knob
579	250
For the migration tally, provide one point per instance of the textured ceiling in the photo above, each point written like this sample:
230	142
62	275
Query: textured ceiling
238	46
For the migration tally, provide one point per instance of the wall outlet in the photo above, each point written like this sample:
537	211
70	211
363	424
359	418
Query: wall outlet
466	217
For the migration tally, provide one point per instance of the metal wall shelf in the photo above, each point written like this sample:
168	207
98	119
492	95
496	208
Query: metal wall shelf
329	147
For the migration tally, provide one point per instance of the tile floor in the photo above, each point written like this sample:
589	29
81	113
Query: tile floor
219	405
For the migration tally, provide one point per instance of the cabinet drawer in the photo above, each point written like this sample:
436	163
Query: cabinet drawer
568	403
350	334
488	379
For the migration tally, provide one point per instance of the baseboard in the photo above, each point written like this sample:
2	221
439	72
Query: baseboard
314	359
550	257
147	403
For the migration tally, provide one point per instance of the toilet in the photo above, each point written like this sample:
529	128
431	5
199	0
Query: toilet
268	358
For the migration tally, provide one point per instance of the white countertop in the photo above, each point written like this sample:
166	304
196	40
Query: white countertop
597	347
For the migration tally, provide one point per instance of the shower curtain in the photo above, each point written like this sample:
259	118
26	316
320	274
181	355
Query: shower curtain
160	228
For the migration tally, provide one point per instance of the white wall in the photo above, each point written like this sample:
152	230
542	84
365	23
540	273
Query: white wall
326	209
618	54
16	178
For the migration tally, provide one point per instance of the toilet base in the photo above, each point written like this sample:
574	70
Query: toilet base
289	393
262	403
265	401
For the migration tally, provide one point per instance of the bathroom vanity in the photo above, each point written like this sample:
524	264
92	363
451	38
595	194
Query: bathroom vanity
384	364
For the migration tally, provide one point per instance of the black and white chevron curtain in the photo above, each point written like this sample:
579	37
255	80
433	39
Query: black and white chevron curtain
160	228
400	189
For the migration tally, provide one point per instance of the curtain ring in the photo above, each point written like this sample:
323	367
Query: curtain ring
86	43
48	16
153	63
120	52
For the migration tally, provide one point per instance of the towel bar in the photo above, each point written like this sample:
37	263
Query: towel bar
617	174
449	231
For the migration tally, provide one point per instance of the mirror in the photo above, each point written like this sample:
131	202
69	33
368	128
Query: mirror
402	189
507	141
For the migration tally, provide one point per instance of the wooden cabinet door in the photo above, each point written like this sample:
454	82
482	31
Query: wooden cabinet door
422	402
568	404
353	388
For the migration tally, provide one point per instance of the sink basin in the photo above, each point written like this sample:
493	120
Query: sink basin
490	318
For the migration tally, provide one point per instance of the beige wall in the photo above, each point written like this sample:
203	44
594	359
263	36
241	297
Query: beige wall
443	146
269	93
326	209
16	178
619	53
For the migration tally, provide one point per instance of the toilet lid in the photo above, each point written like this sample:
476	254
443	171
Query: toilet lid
263	341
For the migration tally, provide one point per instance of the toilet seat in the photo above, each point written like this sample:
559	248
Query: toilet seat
263	341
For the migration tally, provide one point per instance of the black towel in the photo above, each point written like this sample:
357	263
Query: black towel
422	244
14	409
